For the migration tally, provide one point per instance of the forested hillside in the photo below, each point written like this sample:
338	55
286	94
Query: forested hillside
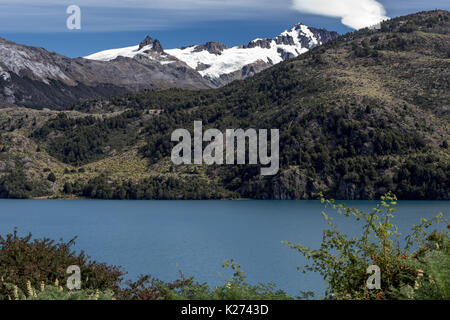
359	116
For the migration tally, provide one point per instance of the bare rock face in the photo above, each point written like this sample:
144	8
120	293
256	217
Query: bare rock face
348	190
155	45
300	36
284	54
262	43
292	184
213	47
148	41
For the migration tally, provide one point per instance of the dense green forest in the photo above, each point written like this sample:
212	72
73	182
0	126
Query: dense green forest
359	116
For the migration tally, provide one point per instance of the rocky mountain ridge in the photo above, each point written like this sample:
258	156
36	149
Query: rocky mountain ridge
34	77
219	64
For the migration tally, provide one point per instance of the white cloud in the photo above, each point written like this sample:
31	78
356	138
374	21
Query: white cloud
356	14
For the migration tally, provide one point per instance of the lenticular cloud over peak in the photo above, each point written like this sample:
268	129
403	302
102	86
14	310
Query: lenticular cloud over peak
356	14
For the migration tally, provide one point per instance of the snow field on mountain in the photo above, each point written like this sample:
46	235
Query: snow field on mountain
230	60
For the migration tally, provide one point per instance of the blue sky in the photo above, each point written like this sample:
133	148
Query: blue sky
117	23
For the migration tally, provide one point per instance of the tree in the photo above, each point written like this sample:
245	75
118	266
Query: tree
51	177
68	188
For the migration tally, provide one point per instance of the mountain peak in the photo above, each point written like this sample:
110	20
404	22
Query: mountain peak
298	25
155	44
148	41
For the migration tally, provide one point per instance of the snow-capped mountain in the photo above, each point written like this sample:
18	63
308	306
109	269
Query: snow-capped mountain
34	77
148	47
220	64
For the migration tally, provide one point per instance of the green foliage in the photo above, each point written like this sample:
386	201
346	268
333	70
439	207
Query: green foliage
23	259
83	140
55	292
342	260
432	277
148	288
26	265
15	184
159	187
235	288
422	177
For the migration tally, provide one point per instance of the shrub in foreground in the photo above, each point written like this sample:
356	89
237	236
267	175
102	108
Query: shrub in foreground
419	269
55	292
38	261
34	269
236	288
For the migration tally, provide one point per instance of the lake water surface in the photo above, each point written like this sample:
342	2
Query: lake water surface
162	237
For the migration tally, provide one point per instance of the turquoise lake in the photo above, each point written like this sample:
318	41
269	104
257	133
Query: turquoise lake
161	238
